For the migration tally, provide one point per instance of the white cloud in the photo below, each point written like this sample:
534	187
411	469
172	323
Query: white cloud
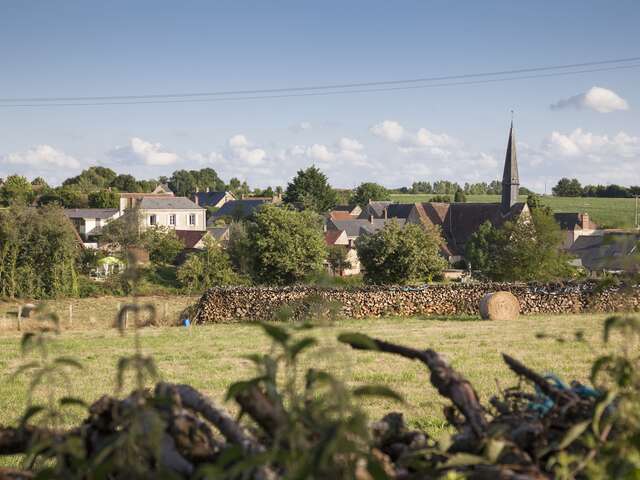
389	130
241	150
320	153
42	157
300	127
599	99
139	150
350	144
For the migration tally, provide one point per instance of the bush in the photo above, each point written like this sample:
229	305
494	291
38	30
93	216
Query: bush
401	255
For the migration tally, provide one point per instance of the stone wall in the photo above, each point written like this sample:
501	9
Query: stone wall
262	303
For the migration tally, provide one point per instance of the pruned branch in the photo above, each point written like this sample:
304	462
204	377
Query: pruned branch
448	382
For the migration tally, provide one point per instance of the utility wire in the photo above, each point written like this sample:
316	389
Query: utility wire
331	90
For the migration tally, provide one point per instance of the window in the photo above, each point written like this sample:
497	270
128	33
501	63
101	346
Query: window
153	220
192	219
172	219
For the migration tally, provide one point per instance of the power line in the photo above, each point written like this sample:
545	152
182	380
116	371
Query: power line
187	98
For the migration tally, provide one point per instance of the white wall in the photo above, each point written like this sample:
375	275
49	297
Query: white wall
181	216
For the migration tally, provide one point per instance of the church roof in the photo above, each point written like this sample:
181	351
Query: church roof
510	174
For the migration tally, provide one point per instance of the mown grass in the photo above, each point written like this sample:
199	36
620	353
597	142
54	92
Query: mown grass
606	212
211	357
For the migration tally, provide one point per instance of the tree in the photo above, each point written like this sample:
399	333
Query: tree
125	183
184	183
124	232
440	199
400	255
567	188
16	189
93	178
104	199
163	244
337	259
38	253
459	196
210	268
369	191
310	189
525	250
285	245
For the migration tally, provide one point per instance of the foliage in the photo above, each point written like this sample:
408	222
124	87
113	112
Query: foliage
440	198
16	189
369	191
38	253
104	199
567	188
460	196
337	259
184	183
162	243
285	245
125	183
525	250
400	255
93	178
239	248
310	189
210	268
123	232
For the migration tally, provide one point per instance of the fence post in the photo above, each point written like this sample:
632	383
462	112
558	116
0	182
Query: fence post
19	318
70	315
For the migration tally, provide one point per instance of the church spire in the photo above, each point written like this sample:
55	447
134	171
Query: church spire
510	177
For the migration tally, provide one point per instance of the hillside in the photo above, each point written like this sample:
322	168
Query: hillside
606	212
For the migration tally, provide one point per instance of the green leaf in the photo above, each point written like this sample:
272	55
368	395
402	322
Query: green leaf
573	433
377	391
72	402
358	340
68	362
301	345
493	449
601	406
464	459
30	413
238	387
278	334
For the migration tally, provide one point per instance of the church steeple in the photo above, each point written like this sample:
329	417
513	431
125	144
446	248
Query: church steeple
510	177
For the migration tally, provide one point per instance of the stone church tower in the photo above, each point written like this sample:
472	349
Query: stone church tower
510	177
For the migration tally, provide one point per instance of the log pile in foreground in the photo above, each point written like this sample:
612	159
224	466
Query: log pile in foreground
510	439
225	304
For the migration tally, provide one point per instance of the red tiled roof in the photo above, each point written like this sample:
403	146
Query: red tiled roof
190	238
339	215
331	236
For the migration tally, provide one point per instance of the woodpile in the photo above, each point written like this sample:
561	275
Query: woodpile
499	306
226	304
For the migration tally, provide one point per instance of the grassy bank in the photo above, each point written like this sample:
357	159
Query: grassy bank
211	357
606	212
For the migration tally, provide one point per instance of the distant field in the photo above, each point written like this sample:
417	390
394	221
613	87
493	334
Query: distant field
606	212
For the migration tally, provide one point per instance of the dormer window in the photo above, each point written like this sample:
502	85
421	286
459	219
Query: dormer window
192	219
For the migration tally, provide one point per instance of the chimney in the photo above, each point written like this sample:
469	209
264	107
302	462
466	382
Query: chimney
207	189
371	218
196	200
585	220
385	213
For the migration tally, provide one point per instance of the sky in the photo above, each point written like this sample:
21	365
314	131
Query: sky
584	125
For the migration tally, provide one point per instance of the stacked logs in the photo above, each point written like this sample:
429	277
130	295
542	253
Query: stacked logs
263	303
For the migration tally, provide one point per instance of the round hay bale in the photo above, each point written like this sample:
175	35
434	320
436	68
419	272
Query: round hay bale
499	306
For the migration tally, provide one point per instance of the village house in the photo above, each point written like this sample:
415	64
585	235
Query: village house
339	239
209	199
575	225
610	252
88	222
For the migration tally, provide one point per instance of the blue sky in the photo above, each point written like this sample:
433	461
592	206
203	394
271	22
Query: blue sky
81	48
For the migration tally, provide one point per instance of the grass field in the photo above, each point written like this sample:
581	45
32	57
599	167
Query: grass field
606	212
211	357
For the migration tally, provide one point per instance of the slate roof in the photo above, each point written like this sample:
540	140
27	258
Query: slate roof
190	238
90	212
375	209
206	199
240	208
611	251
459	221
344	208
218	232
168	202
360	226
